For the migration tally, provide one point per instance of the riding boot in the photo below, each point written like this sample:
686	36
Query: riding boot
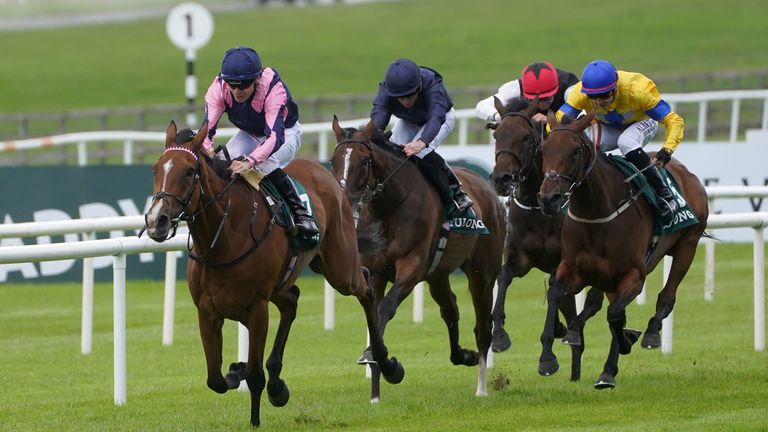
666	203
301	217
448	184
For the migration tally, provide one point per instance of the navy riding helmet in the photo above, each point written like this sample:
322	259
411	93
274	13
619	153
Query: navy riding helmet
403	78
240	64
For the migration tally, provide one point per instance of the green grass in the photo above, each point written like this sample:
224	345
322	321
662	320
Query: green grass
713	380
344	50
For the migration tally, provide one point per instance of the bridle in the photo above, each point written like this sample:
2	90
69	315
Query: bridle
528	159
583	168
372	186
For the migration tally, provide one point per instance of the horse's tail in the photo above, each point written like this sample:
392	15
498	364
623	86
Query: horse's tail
370	240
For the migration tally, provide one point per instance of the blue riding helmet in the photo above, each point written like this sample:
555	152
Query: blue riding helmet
599	76
240	64
403	78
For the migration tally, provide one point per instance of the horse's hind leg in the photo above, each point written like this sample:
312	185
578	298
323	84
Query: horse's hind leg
286	302
665	302
481	289
568	309
440	289
210	334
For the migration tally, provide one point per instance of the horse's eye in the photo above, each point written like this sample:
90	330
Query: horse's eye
190	172
367	162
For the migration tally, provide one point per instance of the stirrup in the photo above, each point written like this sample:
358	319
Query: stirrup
306	226
463	203
666	207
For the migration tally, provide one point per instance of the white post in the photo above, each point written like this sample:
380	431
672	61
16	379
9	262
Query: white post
640	299
735	106
86	326
190	87
330	310
709	269
82	154
581	298
322	147
367	344
702	129
128	152
242	351
463	131
418	303
170	297
759	278
668	322
118	325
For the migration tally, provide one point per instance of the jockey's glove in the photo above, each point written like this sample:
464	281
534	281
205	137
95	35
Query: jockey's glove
663	156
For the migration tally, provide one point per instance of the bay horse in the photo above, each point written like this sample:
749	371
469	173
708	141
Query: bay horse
241	259
389	190
533	238
606	237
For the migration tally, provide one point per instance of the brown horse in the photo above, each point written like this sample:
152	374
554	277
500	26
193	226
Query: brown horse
533	238
606	237
241	260
390	190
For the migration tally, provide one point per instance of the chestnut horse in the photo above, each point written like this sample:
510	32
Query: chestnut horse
533	238
241	260
389	189
606	237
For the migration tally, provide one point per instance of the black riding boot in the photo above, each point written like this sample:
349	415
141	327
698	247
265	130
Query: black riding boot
667	204
448	186
303	221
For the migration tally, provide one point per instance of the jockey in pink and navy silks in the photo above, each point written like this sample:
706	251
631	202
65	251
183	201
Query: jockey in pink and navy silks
425	116
259	104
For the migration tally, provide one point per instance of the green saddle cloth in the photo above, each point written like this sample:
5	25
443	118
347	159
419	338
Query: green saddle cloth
466	223
682	218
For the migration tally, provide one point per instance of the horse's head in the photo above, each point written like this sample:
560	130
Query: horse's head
567	157
517	143
176	175
352	160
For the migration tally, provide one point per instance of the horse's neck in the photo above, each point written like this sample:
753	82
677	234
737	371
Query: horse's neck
529	188
601	193
398	185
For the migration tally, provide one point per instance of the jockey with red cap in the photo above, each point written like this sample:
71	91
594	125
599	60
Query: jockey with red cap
539	79
628	109
424	114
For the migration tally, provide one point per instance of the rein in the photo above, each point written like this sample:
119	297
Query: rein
370	194
526	164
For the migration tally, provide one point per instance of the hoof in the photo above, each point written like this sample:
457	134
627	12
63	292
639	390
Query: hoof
278	394
219	385
571	338
651	340
630	337
549	367
235	375
501	341
560	330
606	381
465	357
396	374
366	358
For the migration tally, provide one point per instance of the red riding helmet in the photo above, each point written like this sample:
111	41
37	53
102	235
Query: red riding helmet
539	80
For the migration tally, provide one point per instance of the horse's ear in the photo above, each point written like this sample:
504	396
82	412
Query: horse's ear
170	134
500	108
533	106
551	119
368	131
337	130
582	122
199	139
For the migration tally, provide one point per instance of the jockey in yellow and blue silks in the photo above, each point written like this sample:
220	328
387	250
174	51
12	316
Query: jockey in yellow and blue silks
628	110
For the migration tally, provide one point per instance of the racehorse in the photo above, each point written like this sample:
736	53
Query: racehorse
533	238
607	237
389	190
241	260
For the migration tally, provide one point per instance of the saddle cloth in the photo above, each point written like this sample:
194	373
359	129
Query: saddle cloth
682	218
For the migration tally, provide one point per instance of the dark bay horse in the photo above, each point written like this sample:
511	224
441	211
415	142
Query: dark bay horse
241	260
389	190
606	237
533	238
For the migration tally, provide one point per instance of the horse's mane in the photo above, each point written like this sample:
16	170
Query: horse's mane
517	104
220	167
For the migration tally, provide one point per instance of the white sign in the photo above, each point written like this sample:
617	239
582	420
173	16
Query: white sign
189	26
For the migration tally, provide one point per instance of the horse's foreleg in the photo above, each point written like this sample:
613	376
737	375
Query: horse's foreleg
258	323
210	334
481	288
548	364
501	341
286	302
